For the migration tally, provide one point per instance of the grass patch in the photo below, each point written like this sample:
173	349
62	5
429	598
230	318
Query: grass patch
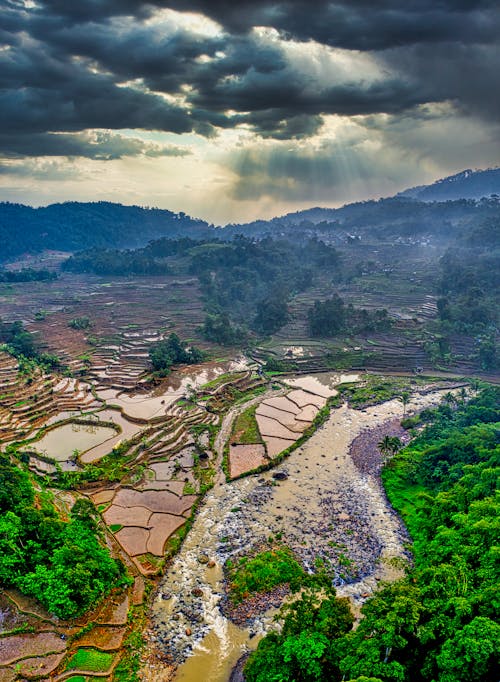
115	527
263	572
128	667
92	660
245	428
373	390
222	379
188	489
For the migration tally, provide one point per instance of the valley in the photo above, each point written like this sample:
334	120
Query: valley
309	353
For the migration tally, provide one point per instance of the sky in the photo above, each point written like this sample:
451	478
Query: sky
232	110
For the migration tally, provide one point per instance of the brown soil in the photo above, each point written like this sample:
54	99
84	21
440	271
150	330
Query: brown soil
106	639
20	646
243	458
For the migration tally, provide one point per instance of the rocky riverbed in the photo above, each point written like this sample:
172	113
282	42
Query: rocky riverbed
328	504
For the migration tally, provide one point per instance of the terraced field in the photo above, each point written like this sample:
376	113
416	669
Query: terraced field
145	453
159	447
125	314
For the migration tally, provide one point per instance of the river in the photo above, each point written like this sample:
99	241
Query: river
325	508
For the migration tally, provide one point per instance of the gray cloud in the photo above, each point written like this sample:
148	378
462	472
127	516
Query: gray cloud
51	171
376	155
97	64
99	145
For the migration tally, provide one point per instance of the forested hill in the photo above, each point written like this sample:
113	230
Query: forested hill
468	184
393	218
73	226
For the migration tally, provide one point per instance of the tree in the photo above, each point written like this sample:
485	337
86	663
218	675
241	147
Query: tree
272	314
218	328
327	318
405	399
168	352
303	651
473	653
389	446
85	513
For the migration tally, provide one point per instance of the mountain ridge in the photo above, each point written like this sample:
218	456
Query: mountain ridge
73	226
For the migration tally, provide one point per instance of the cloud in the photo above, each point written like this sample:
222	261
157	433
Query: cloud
99	145
48	171
359	25
115	64
298	101
368	156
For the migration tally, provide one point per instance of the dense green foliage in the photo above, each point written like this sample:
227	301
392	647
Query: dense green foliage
440	622
470	285
117	263
147	261
253	280
27	275
21	344
72	226
263	572
173	351
303	650
60	563
331	317
219	329
19	340
470	289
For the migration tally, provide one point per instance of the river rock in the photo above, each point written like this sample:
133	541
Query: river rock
203	559
280	476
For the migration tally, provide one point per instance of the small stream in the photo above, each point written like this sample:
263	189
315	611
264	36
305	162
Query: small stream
324	508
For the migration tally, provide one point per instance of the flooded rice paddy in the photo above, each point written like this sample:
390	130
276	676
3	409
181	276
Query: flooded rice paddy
61	442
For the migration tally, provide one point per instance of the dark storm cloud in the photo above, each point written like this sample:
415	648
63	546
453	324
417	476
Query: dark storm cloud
100	146
353	24
95	64
363	24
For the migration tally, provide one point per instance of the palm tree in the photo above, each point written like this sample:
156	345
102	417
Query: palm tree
389	445
449	399
385	447
405	399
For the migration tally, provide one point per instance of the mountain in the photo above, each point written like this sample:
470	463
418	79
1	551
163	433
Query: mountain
445	211
392	219
72	226
468	184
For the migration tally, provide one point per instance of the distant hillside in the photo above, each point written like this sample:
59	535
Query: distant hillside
73	226
394	219
445	211
468	184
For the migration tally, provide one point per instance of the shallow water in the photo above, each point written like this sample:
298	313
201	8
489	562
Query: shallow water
157	402
59	443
